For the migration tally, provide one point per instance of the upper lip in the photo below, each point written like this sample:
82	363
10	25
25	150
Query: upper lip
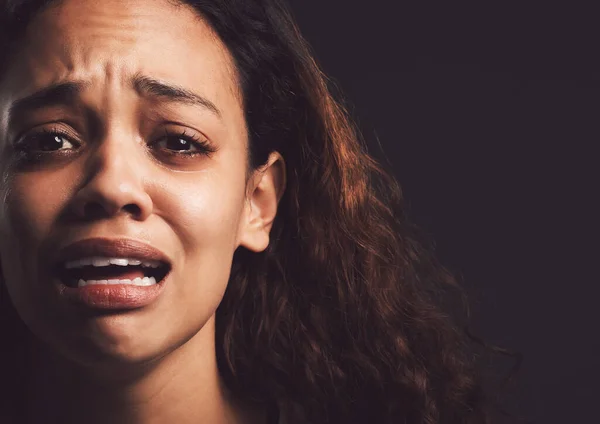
111	248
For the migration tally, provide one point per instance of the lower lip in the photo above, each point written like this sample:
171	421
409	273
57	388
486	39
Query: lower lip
112	296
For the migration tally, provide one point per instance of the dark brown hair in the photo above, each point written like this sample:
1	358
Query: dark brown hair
341	317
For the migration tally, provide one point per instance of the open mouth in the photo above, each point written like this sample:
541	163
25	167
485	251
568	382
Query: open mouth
107	271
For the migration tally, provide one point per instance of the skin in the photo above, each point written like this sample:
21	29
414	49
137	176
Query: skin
156	364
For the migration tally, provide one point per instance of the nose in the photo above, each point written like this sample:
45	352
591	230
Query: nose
113	185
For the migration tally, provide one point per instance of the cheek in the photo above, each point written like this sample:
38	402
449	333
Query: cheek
204	215
205	212
33	203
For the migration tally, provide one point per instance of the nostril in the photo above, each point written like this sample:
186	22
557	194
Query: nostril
132	209
96	210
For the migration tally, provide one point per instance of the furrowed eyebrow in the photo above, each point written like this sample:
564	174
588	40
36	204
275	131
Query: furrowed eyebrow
146	86
64	93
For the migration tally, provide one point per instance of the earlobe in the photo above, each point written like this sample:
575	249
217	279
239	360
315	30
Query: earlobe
266	187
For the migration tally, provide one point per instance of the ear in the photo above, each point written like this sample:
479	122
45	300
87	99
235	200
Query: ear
265	189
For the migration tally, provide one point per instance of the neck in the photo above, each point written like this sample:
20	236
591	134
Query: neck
184	386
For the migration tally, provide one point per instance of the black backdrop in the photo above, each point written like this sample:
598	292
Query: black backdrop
489	117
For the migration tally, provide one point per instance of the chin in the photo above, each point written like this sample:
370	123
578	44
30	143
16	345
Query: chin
107	346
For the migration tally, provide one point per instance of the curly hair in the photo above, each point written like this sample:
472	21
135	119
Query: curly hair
341	317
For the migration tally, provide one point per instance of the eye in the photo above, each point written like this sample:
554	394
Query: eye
45	141
183	144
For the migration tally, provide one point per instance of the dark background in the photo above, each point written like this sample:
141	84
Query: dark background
489	118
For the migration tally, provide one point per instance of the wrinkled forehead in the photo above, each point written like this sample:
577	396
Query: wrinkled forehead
86	40
104	48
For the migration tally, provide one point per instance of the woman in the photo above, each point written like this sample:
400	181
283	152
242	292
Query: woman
193	232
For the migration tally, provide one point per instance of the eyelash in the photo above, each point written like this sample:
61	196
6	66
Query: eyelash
203	147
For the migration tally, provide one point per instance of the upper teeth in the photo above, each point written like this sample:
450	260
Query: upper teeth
102	261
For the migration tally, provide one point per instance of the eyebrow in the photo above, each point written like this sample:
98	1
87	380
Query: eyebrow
66	93
150	87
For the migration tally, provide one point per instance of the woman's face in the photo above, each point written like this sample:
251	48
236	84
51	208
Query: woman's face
104	110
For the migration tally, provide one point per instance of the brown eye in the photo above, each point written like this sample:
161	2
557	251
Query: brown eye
176	143
45	141
181	144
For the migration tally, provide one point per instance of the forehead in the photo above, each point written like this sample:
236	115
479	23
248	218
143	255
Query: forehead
109	41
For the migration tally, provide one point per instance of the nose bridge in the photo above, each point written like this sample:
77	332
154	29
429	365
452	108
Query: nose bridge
114	177
115	158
